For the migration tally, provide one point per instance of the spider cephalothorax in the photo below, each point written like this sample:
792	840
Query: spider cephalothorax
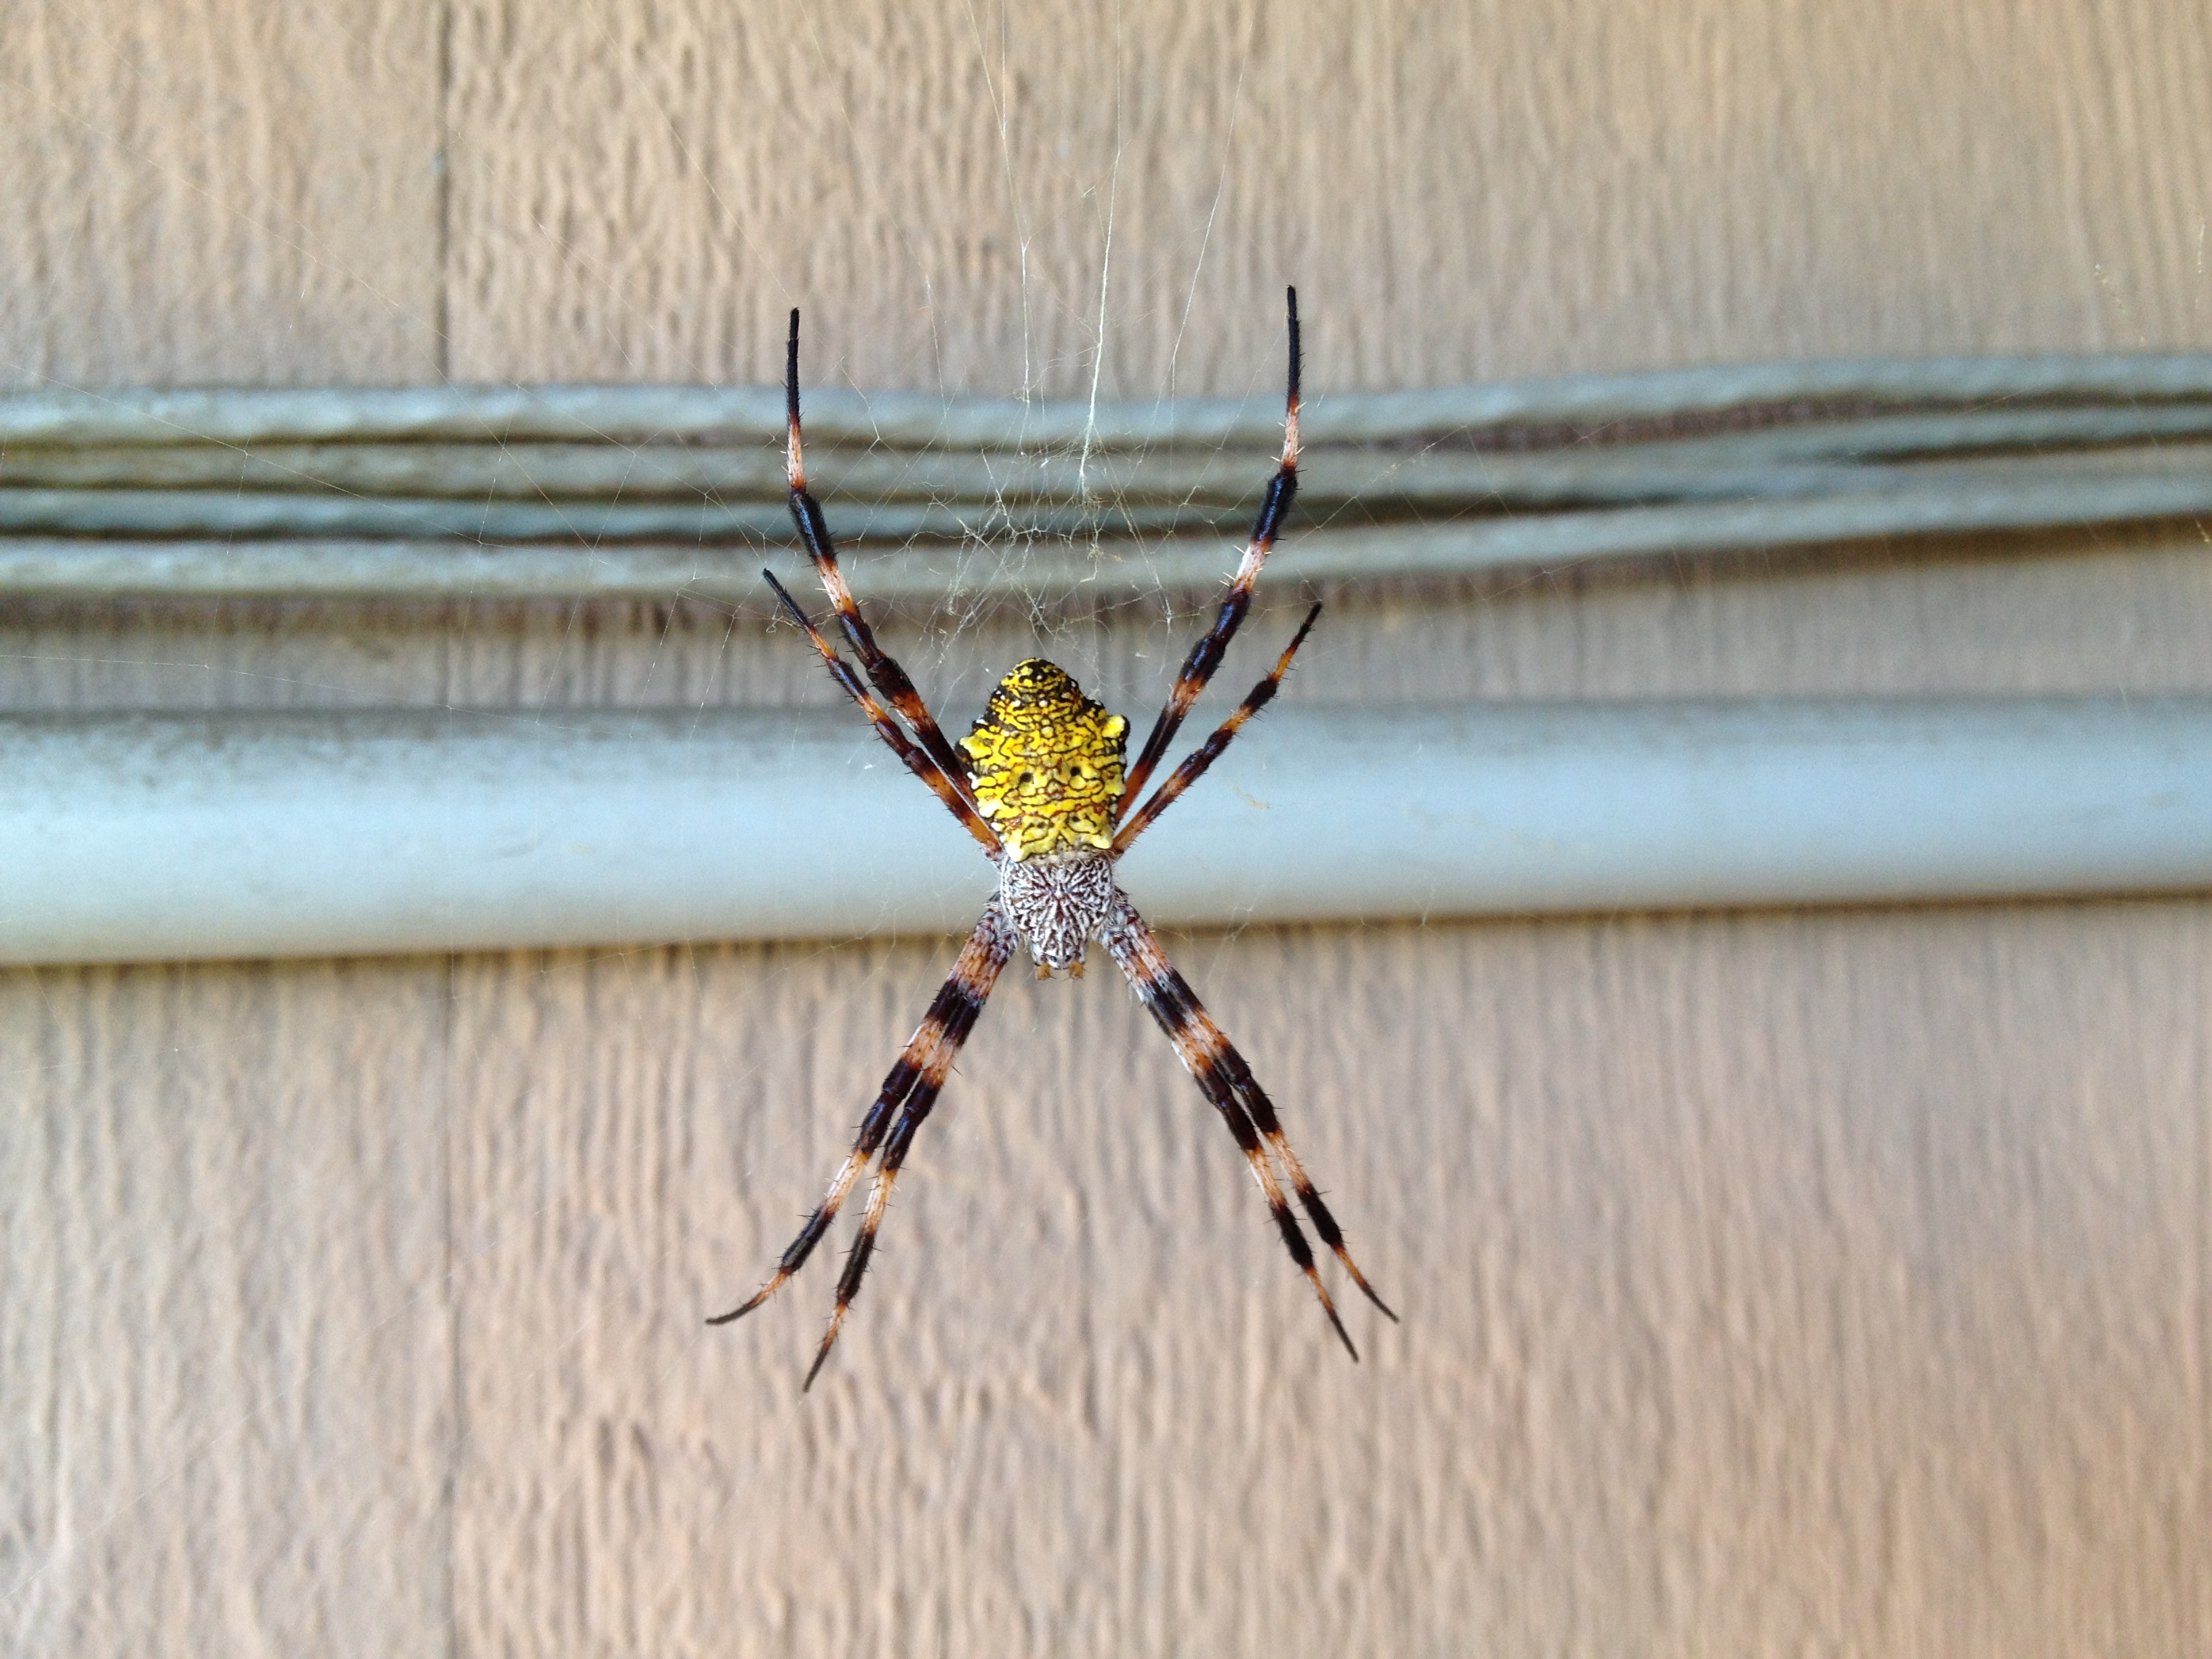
1041	784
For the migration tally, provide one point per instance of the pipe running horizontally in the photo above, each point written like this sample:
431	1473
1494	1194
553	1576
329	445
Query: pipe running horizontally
135	837
671	492
148	836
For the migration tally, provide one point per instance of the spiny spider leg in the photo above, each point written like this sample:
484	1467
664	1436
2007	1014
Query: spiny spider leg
1216	1066
870	1136
897	1086
964	996
1194	763
955	798
884	673
864	1247
1206	656
915	1078
1263	1115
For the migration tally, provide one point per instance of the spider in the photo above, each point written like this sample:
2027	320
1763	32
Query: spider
1040	784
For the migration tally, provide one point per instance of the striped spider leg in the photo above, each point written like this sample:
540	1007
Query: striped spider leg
901	1107
910	1090
1040	783
1227	1082
1212	1060
885	675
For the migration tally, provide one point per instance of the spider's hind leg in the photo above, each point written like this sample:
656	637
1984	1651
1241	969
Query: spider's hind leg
1206	655
883	670
1195	763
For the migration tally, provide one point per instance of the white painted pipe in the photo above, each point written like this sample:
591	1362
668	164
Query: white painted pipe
146	837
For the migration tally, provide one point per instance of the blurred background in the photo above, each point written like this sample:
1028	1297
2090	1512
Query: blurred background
1823	1281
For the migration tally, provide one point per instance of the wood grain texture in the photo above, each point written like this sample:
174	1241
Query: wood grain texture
1777	1283
229	1355
1462	192
1764	1276
208	192
2131	614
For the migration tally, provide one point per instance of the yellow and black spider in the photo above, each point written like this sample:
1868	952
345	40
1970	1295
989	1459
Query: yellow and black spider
1040	784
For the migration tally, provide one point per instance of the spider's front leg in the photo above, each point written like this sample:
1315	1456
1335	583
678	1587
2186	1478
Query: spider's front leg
1227	1081
908	1094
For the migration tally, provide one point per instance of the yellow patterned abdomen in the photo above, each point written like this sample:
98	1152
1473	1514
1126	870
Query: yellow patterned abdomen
1048	763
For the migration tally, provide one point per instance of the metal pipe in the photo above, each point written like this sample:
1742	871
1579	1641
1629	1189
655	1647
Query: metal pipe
255	514
127	837
1061	560
911	419
657	492
171	491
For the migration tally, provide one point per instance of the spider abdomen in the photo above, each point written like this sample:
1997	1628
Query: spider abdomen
1047	764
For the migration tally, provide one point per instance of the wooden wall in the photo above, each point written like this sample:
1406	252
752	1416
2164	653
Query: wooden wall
1832	1283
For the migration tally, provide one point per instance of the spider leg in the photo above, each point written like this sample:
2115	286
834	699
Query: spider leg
1226	1080
911	1118
964	993
883	672
1194	763
908	1092
1206	656
941	782
1271	1129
